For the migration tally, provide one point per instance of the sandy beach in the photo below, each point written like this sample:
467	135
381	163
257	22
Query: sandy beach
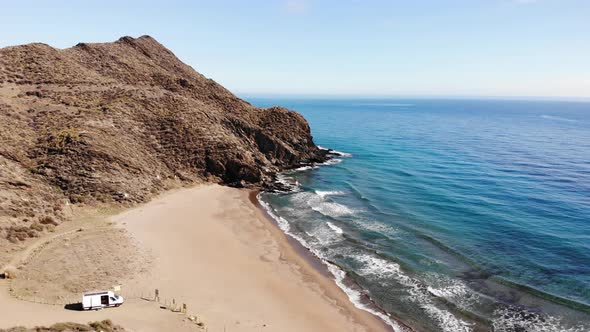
211	248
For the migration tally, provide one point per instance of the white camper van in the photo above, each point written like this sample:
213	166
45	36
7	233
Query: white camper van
99	300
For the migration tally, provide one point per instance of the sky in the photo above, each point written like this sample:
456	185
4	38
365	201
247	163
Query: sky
346	48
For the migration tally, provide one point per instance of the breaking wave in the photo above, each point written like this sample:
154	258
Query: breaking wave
305	168
355	296
510	320
383	269
325	193
335	228
318	203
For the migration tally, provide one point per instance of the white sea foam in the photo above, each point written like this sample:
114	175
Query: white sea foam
383	269
378	267
282	222
339	275
341	154
332	161
288	182
324	236
355	297
305	168
452	290
331	209
318	203
377	226
324	193
448	292
506	320
335	228
335	152
370	266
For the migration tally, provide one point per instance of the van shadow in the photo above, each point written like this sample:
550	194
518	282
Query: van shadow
74	306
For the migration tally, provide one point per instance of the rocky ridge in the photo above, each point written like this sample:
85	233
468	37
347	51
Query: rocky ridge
122	121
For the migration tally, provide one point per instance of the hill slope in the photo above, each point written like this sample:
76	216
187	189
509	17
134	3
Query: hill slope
120	121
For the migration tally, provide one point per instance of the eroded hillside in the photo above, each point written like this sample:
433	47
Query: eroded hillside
121	121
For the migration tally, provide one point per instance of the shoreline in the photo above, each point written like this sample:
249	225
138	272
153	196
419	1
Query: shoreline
216	250
320	266
304	256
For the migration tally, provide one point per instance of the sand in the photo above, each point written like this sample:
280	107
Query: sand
212	249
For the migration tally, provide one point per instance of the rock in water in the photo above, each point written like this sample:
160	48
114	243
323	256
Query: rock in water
118	121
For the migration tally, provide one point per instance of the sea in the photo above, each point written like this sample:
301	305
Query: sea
448	214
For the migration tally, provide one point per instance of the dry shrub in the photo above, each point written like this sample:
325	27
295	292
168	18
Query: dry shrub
15	329
48	220
104	326
62	327
37	226
62	139
15	234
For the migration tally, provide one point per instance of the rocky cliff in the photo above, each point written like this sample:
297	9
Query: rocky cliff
118	122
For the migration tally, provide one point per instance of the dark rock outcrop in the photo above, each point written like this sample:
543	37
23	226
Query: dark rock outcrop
120	121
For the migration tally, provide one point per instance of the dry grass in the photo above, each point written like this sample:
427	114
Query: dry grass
103	326
82	261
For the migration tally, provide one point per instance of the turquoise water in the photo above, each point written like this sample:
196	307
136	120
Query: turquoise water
449	215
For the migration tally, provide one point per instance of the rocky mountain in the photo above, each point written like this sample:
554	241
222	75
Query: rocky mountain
121	121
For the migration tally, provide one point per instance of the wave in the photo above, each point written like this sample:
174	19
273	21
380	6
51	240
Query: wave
305	168
339	275
324	193
511	319
282	223
426	293
541	294
318	203
335	152
287	182
355	297
331	209
558	118
332	161
341	154
383	269
335	228
452	290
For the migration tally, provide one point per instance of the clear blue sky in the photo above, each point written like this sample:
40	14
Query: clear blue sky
409	47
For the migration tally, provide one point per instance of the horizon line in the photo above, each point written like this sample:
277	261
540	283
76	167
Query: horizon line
406	96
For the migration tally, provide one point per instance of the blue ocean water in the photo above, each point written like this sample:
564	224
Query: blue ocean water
449	215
